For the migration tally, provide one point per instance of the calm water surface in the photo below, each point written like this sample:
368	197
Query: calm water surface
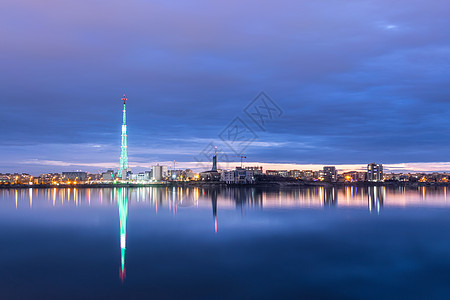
144	243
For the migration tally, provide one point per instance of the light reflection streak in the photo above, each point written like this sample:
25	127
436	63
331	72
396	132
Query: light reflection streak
374	198
30	192
122	195
172	198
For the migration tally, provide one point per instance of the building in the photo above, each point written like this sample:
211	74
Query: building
328	173
175	174
237	176
108	175
255	170
95	177
80	176
354	176
51	178
294	173
272	172
282	173
307	175
188	174
214	165
374	172
141	176
159	172
213	174
16	178
123	162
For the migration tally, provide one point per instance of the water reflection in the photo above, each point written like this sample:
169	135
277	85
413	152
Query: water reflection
214	208
173	198
375	196
122	199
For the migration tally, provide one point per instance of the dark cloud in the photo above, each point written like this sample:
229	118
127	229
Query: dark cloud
357	80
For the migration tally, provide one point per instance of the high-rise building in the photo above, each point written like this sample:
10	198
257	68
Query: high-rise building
123	163
374	172
159	172
214	166
328	173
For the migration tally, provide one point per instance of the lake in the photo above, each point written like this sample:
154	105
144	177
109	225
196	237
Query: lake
225	243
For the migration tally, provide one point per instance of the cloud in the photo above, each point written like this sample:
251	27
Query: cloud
357	81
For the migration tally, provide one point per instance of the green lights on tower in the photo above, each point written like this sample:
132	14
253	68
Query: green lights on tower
122	195
123	163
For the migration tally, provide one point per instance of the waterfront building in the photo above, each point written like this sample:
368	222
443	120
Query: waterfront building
294	173
50	178
353	176
123	162
159	172
175	174
255	170
78	176
282	173
328	173
141	176
188	174
237	176
307	175
108	175
214	165
4	178
272	172
374	172
213	174
94	177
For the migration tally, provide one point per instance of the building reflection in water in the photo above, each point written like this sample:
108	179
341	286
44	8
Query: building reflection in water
243	199
375	195
214	208
175	199
122	200
329	196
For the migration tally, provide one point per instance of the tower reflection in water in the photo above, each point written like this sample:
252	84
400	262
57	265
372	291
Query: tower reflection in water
214	208
221	201
122	200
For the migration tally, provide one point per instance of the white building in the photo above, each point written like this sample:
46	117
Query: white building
159	172
142	176
238	176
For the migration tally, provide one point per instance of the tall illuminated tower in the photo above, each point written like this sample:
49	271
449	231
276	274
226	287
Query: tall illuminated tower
123	164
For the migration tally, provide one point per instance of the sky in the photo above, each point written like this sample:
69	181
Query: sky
353	81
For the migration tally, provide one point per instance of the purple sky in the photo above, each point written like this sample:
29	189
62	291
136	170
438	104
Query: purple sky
358	81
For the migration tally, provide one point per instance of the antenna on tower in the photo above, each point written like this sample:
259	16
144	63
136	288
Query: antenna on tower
124	98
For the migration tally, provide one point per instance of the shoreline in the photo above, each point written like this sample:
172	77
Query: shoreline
273	184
